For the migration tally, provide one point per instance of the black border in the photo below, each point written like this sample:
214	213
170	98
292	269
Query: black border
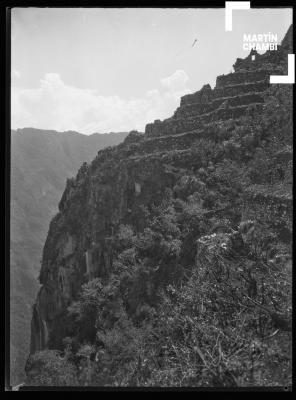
6	64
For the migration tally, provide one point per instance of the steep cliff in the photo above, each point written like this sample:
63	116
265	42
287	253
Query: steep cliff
167	191
41	161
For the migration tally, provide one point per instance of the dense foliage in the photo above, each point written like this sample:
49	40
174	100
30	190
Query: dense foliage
196	296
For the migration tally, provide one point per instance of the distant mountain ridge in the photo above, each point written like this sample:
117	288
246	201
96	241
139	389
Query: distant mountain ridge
41	161
161	243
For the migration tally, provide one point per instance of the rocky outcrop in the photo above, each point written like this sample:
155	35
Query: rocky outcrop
39	333
121	181
41	160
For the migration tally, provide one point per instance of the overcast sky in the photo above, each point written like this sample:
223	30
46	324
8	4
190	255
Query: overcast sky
101	70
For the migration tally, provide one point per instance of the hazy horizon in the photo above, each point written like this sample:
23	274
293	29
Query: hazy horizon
65	131
96	70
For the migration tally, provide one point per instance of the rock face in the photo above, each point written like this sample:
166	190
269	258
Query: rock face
41	161
121	180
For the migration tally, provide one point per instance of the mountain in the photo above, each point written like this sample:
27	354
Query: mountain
41	161
169	260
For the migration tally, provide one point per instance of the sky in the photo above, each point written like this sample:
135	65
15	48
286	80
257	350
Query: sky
107	69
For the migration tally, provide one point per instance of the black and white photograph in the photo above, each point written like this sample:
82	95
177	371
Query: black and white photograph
150	198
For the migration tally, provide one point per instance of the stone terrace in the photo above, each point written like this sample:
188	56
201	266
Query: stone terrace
234	95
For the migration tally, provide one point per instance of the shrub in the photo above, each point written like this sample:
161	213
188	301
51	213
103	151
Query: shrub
48	368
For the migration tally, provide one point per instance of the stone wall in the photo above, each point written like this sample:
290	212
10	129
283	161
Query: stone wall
121	180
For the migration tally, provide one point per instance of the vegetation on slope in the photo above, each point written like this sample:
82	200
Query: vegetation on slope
197	295
40	163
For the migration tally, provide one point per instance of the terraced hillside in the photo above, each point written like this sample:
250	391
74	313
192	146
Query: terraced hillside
169	261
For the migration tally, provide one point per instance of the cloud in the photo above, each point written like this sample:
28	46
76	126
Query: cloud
55	105
176	81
